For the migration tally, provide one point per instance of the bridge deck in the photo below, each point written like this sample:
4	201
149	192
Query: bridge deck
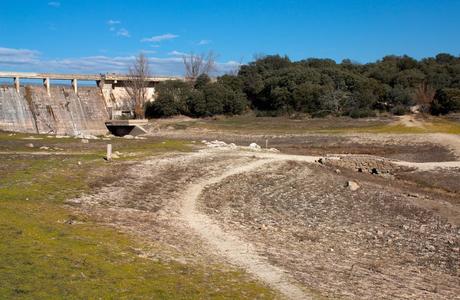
89	77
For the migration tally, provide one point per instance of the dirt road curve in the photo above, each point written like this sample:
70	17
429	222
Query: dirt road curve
230	246
163	199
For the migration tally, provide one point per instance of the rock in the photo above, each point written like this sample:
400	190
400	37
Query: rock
44	148
79	163
115	156
128	137
321	160
29	145
352	185
254	146
106	139
337	171
430	247
84	141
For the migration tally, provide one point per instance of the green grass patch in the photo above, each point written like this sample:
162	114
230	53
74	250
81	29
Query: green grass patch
44	257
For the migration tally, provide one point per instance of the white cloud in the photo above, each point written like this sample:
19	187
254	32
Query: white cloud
54	4
11	56
113	22
176	53
159	38
27	60
204	42
148	51
123	32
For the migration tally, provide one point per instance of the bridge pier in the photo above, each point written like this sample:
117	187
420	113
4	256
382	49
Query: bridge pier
46	84
17	84
75	85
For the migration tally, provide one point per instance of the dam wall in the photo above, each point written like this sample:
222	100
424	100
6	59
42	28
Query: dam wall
67	109
60	111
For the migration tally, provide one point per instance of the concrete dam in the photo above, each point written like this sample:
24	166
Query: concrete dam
65	109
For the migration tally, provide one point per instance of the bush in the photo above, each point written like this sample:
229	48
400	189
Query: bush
399	110
201	81
446	101
362	113
196	103
171	99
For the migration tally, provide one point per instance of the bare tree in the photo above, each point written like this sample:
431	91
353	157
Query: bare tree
198	64
235	69
424	96
137	84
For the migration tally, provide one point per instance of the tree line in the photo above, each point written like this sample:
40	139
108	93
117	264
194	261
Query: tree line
274	85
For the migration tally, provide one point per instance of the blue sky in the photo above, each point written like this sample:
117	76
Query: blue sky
104	36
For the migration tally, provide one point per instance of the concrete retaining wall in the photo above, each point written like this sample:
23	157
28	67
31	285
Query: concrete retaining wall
63	111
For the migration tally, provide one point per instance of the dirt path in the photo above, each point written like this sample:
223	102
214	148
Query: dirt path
230	246
168	211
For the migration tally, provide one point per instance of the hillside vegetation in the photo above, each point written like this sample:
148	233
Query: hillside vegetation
275	85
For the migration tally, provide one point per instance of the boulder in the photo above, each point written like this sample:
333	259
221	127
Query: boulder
352	185
254	146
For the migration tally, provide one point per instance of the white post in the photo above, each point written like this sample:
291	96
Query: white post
75	85
266	144
109	152
46	83
16	83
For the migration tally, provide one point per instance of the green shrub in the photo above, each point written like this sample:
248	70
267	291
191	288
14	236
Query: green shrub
399	110
446	101
362	113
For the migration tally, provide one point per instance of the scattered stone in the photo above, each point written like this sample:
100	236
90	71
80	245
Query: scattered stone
79	163
128	137
337	171
254	146
106	139
44	148
352	185
115	156
84	141
430	247
29	145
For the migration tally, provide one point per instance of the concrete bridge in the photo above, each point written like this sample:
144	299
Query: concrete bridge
101	79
